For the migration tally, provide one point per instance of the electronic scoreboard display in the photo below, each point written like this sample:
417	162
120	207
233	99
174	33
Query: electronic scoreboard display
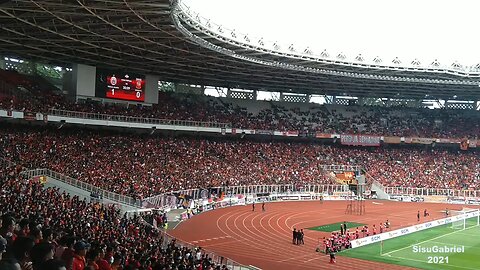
120	85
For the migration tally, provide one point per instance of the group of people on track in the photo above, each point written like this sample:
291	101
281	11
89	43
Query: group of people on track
298	237
263	206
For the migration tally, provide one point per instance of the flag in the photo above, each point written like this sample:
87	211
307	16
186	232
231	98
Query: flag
464	145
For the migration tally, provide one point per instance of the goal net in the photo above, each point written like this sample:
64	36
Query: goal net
465	218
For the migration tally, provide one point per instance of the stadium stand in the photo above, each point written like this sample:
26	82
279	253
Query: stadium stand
55	227
262	115
44	228
141	166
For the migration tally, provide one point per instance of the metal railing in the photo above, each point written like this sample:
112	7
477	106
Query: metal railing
432	192
134	119
115	197
167	199
343	168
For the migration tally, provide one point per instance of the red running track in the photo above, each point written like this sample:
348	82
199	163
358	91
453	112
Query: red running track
264	239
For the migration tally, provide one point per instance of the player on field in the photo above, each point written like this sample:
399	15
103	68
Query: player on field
294	238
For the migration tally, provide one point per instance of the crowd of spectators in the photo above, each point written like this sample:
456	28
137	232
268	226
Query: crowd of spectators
44	229
144	165
141	165
440	123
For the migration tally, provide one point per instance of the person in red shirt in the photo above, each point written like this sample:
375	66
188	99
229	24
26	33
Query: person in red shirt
92	258
80	248
102	262
68	253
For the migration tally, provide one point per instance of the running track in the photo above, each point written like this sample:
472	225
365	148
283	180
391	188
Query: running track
264	239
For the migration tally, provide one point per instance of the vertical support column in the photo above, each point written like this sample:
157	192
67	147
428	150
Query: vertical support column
151	89
3	64
33	67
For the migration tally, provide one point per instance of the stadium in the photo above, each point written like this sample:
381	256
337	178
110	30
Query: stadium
141	135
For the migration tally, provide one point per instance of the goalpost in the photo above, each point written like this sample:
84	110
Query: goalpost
469	218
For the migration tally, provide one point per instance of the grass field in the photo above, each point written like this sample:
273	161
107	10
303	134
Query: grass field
334	227
400	250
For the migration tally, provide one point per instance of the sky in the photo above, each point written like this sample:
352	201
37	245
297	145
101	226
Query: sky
423	29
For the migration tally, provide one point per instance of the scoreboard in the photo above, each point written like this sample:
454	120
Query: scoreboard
120	85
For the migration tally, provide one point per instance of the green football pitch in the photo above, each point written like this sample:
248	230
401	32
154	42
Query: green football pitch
401	250
335	226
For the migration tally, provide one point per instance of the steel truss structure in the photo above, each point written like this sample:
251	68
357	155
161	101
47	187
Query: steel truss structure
162	37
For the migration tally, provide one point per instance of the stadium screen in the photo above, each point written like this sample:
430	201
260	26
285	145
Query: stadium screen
120	85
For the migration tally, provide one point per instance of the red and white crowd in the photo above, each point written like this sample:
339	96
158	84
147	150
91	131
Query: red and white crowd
141	166
396	121
44	229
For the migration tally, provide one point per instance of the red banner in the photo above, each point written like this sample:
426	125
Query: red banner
464	145
361	140
290	133
323	135
29	116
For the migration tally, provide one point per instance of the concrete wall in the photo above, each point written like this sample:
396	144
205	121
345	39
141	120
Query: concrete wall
74	191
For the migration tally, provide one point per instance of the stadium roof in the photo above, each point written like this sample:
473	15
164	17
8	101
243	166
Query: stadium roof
162	37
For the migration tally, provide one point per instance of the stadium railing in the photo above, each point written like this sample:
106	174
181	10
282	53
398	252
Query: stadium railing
432	192
133	119
115	197
169	199
167	238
